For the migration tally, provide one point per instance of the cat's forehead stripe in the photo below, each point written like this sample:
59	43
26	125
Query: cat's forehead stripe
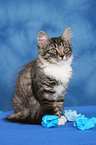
57	42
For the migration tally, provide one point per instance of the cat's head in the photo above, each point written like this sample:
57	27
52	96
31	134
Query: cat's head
55	50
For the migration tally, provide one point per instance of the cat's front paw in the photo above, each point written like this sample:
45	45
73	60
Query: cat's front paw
58	113
62	120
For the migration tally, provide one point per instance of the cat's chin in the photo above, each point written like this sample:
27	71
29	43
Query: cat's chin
65	61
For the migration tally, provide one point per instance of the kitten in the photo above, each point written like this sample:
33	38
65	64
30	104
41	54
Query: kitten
42	84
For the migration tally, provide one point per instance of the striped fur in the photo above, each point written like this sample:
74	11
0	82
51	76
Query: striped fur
42	84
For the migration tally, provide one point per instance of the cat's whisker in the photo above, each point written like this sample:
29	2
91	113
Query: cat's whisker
72	36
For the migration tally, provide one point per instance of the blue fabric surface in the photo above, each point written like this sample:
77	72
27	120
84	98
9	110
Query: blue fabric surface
20	23
23	134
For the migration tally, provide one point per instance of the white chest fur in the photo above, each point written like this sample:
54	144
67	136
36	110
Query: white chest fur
61	72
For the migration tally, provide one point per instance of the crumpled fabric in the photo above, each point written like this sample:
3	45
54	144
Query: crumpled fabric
50	121
53	120
84	123
71	115
81	122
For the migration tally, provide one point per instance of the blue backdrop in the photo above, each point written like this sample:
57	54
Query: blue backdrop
20	23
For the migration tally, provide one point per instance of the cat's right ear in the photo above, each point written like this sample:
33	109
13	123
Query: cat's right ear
43	39
66	36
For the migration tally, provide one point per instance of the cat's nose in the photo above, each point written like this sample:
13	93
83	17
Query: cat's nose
62	56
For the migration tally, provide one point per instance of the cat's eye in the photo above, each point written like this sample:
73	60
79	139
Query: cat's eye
54	50
65	46
67	51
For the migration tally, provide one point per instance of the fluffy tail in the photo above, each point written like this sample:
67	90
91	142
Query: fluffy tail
26	117
19	117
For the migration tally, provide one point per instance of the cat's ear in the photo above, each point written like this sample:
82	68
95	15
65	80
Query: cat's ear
43	39
66	36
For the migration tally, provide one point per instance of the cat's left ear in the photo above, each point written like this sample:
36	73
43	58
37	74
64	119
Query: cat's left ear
43	39
66	36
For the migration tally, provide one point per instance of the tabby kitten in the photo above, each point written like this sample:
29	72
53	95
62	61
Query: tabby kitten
42	84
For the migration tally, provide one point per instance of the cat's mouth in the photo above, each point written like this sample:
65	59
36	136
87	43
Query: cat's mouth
67	60
57	61
62	59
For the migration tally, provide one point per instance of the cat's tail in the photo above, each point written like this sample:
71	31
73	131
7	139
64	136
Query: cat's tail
26	117
20	117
